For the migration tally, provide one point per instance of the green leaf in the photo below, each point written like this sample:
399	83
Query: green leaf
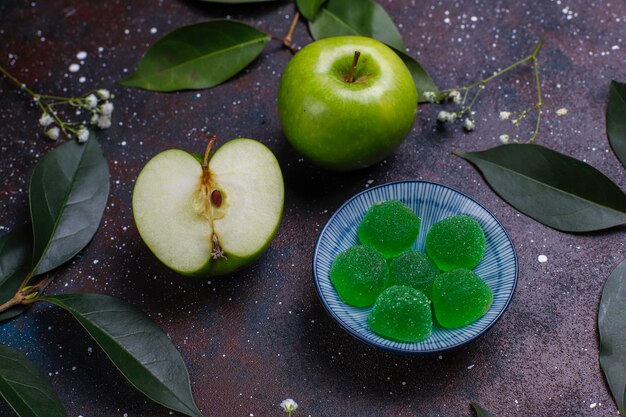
309	8
554	189
612	330
136	345
356	17
68	192
422	80
480	412
16	249
25	388
198	56
616	120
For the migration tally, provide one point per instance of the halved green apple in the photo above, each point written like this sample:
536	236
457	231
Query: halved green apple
211	215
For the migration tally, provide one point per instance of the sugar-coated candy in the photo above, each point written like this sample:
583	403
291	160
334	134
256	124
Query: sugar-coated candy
456	242
460	297
414	269
359	275
401	313
390	227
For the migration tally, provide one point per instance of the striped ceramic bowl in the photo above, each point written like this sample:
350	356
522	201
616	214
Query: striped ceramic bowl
432	202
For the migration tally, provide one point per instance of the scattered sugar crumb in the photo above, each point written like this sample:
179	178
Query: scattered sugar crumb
74	68
471	366
593	405
153	30
81	55
542	258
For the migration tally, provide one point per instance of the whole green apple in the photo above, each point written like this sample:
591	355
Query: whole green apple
211	214
346	102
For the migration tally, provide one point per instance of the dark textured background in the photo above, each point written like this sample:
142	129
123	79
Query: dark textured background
256	338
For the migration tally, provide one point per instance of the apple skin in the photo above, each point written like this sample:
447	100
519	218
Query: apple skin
145	198
345	126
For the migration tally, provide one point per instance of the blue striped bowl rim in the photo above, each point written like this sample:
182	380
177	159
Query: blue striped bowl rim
432	202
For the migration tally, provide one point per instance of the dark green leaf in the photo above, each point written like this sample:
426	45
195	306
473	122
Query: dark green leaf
616	120
422	80
480	412
25	388
16	250
612	330
554	189
68	192
356	17
198	56
136	345
309	8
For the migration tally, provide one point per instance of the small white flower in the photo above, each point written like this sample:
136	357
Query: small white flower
289	405
45	120
106	108
91	101
469	124
443	116
94	118
455	96
430	96
53	133
504	138
104	122
504	115
561	112
83	134
452	117
103	93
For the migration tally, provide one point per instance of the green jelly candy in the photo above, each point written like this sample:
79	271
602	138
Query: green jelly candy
359	275
456	242
401	313
460	298
414	269
390	227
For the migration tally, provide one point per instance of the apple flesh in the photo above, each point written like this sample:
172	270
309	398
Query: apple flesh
343	122
213	215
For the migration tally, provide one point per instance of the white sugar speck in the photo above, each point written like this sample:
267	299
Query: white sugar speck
95	261
153	30
593	405
542	258
74	68
82	79
81	55
471	366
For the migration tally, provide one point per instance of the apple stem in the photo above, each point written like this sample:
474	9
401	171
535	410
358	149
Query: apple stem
287	40
355	61
207	151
